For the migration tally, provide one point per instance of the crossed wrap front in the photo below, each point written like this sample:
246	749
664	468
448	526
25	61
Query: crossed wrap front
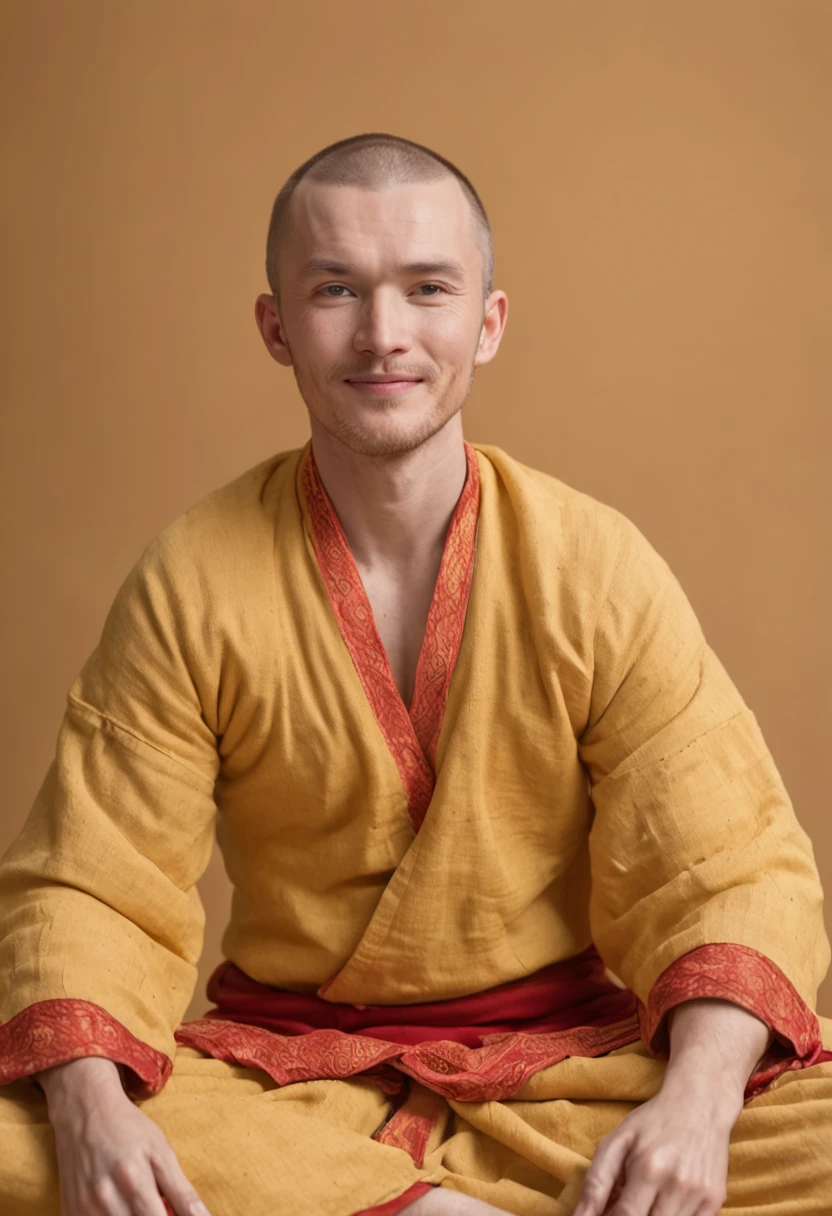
576	770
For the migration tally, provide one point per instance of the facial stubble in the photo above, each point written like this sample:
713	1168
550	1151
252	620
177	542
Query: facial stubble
346	426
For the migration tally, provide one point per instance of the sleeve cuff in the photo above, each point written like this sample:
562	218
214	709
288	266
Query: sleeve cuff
56	1031
747	978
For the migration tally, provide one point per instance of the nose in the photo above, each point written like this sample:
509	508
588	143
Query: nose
383	326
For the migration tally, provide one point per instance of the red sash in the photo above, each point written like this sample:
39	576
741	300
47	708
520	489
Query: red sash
575	992
473	1048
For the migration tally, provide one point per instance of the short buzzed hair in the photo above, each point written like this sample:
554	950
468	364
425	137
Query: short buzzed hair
374	161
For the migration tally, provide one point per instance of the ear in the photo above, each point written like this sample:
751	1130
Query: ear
271	328
493	327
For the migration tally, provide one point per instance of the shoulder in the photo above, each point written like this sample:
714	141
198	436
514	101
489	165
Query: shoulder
198	579
227	533
594	536
187	601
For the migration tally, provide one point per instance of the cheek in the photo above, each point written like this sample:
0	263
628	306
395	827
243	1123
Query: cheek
321	331
448	337
327	338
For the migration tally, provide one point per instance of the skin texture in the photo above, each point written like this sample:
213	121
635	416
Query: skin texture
394	468
669	1157
112	1159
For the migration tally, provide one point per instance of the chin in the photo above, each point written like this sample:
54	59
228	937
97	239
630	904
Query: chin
391	438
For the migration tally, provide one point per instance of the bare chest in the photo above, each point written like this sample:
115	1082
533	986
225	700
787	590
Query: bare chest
400	611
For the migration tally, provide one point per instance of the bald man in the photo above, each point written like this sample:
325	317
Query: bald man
523	918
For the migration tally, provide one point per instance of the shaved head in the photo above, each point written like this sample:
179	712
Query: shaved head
379	262
374	161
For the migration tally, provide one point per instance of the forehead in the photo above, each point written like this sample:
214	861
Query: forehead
399	220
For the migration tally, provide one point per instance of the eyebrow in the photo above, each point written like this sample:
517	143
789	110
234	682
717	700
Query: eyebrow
434	266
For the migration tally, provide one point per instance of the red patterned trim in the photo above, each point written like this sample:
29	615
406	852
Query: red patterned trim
320	1055
446	618
411	737
496	1070
747	978
395	1205
501	1067
410	1127
472	1048
58	1030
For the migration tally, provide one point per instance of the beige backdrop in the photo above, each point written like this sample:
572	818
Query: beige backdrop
659	180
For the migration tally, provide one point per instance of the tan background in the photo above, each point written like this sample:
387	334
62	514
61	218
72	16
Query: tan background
659	181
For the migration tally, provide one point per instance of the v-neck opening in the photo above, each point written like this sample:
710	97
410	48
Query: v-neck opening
411	733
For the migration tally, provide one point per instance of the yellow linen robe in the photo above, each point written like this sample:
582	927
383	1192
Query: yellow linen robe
596	777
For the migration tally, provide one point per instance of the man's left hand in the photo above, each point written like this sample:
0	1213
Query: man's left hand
669	1157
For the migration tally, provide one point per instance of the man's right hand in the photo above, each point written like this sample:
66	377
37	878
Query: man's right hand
112	1159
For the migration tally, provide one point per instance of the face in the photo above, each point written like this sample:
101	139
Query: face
381	283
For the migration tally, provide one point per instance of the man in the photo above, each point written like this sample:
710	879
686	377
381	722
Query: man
462	729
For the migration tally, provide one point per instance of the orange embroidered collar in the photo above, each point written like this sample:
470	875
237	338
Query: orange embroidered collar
412	736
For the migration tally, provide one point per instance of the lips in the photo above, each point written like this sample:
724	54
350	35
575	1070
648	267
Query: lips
383	387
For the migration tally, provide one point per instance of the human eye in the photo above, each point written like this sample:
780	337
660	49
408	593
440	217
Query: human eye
336	287
438	287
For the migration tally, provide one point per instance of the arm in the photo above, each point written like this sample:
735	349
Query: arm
715	1046
674	1147
100	920
704	884
705	896
110	1155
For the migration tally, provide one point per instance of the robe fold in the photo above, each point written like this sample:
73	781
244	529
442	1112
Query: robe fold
574	826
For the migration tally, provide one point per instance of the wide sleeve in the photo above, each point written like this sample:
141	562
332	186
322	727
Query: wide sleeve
101	925
704	884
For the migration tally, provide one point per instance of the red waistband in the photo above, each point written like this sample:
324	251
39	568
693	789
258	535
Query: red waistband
574	992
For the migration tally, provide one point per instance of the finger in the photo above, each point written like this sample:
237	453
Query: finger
175	1186
617	1188
713	1205
106	1199
679	1200
136	1185
709	1209
615	1193
636	1199
602	1175
685	1197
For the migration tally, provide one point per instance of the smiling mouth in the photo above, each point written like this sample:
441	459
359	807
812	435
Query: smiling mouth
382	388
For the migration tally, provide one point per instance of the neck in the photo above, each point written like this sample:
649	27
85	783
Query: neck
393	509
